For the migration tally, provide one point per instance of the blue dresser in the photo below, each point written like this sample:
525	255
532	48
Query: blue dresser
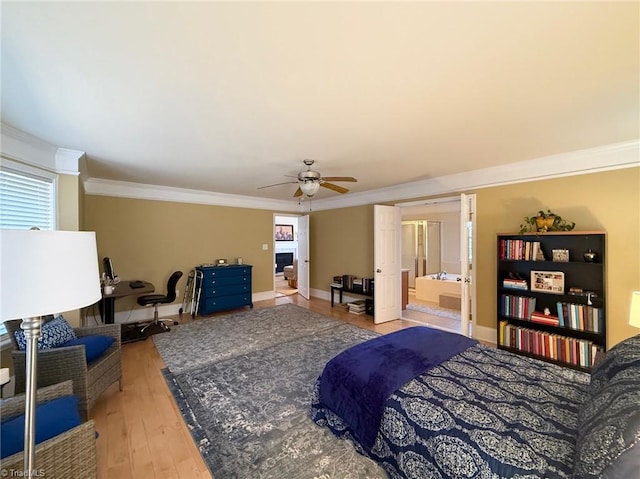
224	287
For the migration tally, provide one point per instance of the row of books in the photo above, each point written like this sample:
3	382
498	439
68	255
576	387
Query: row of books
579	352
517	249
519	307
580	316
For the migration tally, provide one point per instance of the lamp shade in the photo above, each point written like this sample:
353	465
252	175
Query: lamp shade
634	314
46	272
310	188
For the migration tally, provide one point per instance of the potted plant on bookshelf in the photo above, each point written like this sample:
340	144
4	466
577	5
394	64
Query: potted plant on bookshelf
545	221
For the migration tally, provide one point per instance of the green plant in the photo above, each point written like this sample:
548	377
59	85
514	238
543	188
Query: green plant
545	221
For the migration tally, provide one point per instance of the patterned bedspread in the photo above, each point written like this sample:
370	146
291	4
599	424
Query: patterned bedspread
485	413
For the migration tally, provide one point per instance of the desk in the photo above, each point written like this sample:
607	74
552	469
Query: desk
122	289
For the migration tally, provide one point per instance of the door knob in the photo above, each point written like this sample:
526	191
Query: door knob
378	270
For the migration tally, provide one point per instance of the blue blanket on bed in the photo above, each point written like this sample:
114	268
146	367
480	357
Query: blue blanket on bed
356	383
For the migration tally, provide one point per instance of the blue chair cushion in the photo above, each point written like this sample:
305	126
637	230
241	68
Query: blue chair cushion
54	333
94	346
52	418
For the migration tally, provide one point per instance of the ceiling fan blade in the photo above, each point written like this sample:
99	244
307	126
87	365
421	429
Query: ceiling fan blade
340	178
333	187
277	184
297	193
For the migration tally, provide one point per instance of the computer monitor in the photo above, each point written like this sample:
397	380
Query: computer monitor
108	269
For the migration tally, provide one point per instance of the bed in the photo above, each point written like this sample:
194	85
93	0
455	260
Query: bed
478	412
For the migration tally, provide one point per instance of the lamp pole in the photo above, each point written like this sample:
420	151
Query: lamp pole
32	328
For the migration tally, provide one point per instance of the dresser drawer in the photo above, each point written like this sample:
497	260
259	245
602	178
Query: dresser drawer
225	271
209	282
225	290
211	305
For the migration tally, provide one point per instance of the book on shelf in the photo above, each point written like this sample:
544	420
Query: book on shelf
538	317
357	306
511	283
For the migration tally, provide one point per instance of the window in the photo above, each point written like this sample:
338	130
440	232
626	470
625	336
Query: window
27	199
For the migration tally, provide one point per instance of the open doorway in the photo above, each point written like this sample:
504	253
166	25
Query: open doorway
286	255
431	263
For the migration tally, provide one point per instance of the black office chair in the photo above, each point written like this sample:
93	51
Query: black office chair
156	299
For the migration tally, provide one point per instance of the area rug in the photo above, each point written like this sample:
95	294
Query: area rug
435	310
247	406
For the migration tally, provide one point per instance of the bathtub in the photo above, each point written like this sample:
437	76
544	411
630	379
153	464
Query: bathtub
429	289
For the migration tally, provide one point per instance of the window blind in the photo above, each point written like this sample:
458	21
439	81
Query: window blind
26	200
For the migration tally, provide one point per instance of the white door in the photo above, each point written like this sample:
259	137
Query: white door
303	256
467	255
387	252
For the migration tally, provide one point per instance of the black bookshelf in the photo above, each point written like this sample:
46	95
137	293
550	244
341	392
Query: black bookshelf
572	333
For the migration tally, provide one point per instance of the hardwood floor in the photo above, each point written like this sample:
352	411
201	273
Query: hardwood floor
141	431
454	325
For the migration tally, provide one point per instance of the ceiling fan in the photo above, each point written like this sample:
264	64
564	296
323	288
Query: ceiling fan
310	181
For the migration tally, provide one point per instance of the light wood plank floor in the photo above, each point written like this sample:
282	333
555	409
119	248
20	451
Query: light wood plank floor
141	432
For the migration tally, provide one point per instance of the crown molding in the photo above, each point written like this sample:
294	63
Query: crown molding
30	150
579	162
68	161
592	160
101	187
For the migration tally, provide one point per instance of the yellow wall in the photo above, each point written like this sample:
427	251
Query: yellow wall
149	240
69	203
341	242
608	201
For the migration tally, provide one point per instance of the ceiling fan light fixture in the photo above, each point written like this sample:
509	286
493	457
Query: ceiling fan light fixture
310	188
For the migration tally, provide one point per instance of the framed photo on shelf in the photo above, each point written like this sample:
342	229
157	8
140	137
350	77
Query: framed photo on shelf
284	232
547	282
560	255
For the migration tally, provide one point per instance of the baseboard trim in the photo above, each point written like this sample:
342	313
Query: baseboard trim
486	335
481	333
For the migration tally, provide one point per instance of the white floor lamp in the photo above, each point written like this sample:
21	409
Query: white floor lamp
44	272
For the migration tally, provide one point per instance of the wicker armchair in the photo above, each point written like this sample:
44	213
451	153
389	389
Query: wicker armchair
70	454
59	364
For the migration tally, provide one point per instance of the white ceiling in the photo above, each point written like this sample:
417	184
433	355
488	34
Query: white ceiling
230	96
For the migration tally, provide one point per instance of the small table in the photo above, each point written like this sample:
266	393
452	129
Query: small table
340	288
122	289
334	288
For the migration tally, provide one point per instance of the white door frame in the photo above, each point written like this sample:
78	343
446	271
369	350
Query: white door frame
304	265
472	279
387	264
468	303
